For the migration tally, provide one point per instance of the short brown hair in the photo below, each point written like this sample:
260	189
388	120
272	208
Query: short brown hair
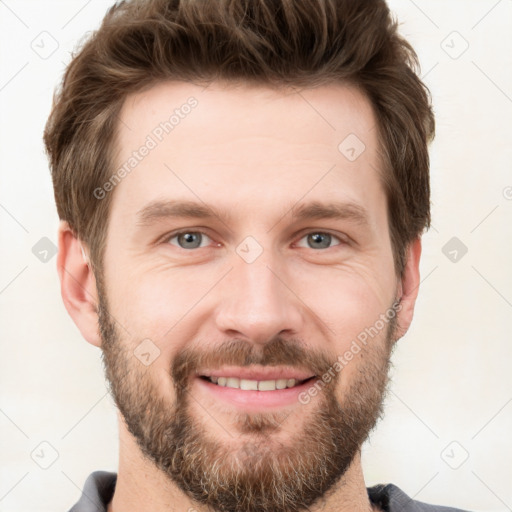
273	42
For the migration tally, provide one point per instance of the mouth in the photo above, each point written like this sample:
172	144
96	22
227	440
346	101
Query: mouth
255	389
255	385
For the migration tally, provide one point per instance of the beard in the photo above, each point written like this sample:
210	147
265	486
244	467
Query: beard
252	472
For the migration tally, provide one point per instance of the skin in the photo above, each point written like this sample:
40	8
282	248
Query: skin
256	153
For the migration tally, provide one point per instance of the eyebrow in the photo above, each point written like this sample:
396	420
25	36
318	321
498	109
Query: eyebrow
161	210
158	210
333	210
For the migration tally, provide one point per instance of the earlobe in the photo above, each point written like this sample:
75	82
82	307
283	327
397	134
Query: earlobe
408	288
78	284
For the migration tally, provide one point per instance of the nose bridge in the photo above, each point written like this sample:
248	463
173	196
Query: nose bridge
257	303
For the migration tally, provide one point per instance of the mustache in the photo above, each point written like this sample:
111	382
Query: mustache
238	352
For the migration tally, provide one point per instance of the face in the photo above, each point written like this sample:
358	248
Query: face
246	300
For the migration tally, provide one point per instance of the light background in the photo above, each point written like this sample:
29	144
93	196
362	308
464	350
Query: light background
451	396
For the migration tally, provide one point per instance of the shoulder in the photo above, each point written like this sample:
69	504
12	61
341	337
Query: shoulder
97	492
392	499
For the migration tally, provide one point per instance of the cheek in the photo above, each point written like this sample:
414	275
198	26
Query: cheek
165	303
155	305
348	298
357	305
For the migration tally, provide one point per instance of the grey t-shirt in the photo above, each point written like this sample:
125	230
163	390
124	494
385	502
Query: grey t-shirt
99	489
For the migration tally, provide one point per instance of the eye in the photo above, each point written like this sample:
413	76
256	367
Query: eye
188	239
321	239
194	240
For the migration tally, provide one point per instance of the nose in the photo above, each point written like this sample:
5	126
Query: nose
258	301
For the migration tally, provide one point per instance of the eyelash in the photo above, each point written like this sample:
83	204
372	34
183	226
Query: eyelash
168	238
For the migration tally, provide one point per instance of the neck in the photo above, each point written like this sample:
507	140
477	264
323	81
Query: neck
142	486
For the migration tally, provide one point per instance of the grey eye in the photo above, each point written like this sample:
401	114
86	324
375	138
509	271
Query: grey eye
319	240
188	239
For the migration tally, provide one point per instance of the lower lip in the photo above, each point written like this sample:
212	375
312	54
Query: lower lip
255	400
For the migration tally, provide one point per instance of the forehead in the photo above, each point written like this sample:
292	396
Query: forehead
243	147
322	114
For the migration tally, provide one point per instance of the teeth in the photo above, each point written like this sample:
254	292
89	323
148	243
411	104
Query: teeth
267	385
233	382
281	383
253	385
248	385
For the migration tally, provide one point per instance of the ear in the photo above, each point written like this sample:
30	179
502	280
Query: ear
78	284
408	288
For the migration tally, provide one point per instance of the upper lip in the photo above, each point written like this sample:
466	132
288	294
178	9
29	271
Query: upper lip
257	373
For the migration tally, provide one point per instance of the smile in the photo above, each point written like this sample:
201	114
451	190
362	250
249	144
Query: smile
255	385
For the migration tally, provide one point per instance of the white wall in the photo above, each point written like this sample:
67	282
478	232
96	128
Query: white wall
452	384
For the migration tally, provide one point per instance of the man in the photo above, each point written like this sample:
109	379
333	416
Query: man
242	186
